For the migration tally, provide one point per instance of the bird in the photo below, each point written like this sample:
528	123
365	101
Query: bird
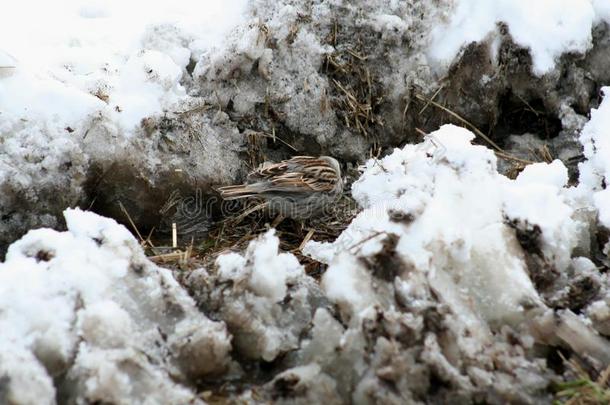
299	188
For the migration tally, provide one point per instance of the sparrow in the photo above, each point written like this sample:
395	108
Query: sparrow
299	188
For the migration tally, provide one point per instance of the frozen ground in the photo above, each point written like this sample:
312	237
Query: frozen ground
462	277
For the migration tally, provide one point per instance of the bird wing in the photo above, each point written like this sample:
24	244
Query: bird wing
298	174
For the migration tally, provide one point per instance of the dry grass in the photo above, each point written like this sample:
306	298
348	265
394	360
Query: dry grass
235	232
501	153
541	154
356	93
584	389
238	229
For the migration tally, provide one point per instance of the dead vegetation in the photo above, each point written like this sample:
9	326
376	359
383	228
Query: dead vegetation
356	94
517	163
238	228
235	232
583	389
540	154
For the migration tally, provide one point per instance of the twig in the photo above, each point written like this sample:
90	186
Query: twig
133	225
275	137
537	113
306	239
368	238
421	132
462	120
431	99
378	163
277	220
499	151
177	255
222	229
247	212
149	241
174	235
506	156
356	55
203	107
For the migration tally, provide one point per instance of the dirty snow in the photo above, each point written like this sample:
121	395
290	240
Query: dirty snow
262	295
269	269
595	171
442	238
445	224
437	216
106	58
548	28
87	302
76	80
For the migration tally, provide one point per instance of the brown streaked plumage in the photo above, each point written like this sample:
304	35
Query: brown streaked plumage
298	187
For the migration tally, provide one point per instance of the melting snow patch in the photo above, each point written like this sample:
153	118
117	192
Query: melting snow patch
87	305
548	28
263	296
454	218
595	171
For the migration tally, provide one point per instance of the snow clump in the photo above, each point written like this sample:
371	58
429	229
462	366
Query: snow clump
548	28
86	317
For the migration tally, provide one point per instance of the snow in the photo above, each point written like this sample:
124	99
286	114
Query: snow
439	220
348	284
89	302
148	82
554	174
451	230
8	64
90	58
602	9
266	301
595	171
548	28
538	197
264	325
7	61
103	31
48	101
266	270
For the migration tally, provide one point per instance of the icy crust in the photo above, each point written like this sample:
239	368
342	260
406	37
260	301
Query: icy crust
86	317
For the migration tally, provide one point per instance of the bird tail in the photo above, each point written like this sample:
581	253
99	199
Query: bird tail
236	192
